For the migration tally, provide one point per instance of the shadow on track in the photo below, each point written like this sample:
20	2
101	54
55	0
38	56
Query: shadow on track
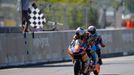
41	65
47	65
109	74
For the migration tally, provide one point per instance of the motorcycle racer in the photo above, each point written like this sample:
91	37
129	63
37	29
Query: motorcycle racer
81	34
97	40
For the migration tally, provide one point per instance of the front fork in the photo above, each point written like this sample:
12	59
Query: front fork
87	65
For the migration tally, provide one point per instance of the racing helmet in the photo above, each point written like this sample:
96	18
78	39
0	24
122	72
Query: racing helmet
80	31
92	29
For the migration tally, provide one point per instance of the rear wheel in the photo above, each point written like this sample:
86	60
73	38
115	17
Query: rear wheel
97	69
96	73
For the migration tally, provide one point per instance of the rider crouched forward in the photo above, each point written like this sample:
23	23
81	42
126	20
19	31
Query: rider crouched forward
97	41
82	35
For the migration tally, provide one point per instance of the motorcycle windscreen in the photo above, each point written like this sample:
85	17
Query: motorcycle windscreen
76	47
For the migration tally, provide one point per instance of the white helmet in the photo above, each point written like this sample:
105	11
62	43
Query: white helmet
80	31
92	29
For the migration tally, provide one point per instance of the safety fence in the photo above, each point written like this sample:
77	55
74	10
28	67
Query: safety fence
31	48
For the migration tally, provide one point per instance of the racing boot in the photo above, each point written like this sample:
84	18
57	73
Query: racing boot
100	61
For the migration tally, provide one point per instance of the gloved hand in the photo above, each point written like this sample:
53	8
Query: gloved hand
72	42
102	45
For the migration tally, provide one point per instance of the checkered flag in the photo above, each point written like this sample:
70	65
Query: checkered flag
36	17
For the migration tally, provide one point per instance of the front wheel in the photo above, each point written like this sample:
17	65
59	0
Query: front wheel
87	73
76	67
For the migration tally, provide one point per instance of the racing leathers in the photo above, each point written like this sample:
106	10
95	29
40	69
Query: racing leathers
95	40
91	53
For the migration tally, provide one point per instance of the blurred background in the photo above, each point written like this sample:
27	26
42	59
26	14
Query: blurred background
10	13
69	14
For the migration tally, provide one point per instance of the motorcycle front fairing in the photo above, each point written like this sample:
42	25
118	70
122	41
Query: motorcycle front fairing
77	50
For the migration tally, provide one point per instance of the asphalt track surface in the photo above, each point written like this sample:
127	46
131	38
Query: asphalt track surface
112	66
